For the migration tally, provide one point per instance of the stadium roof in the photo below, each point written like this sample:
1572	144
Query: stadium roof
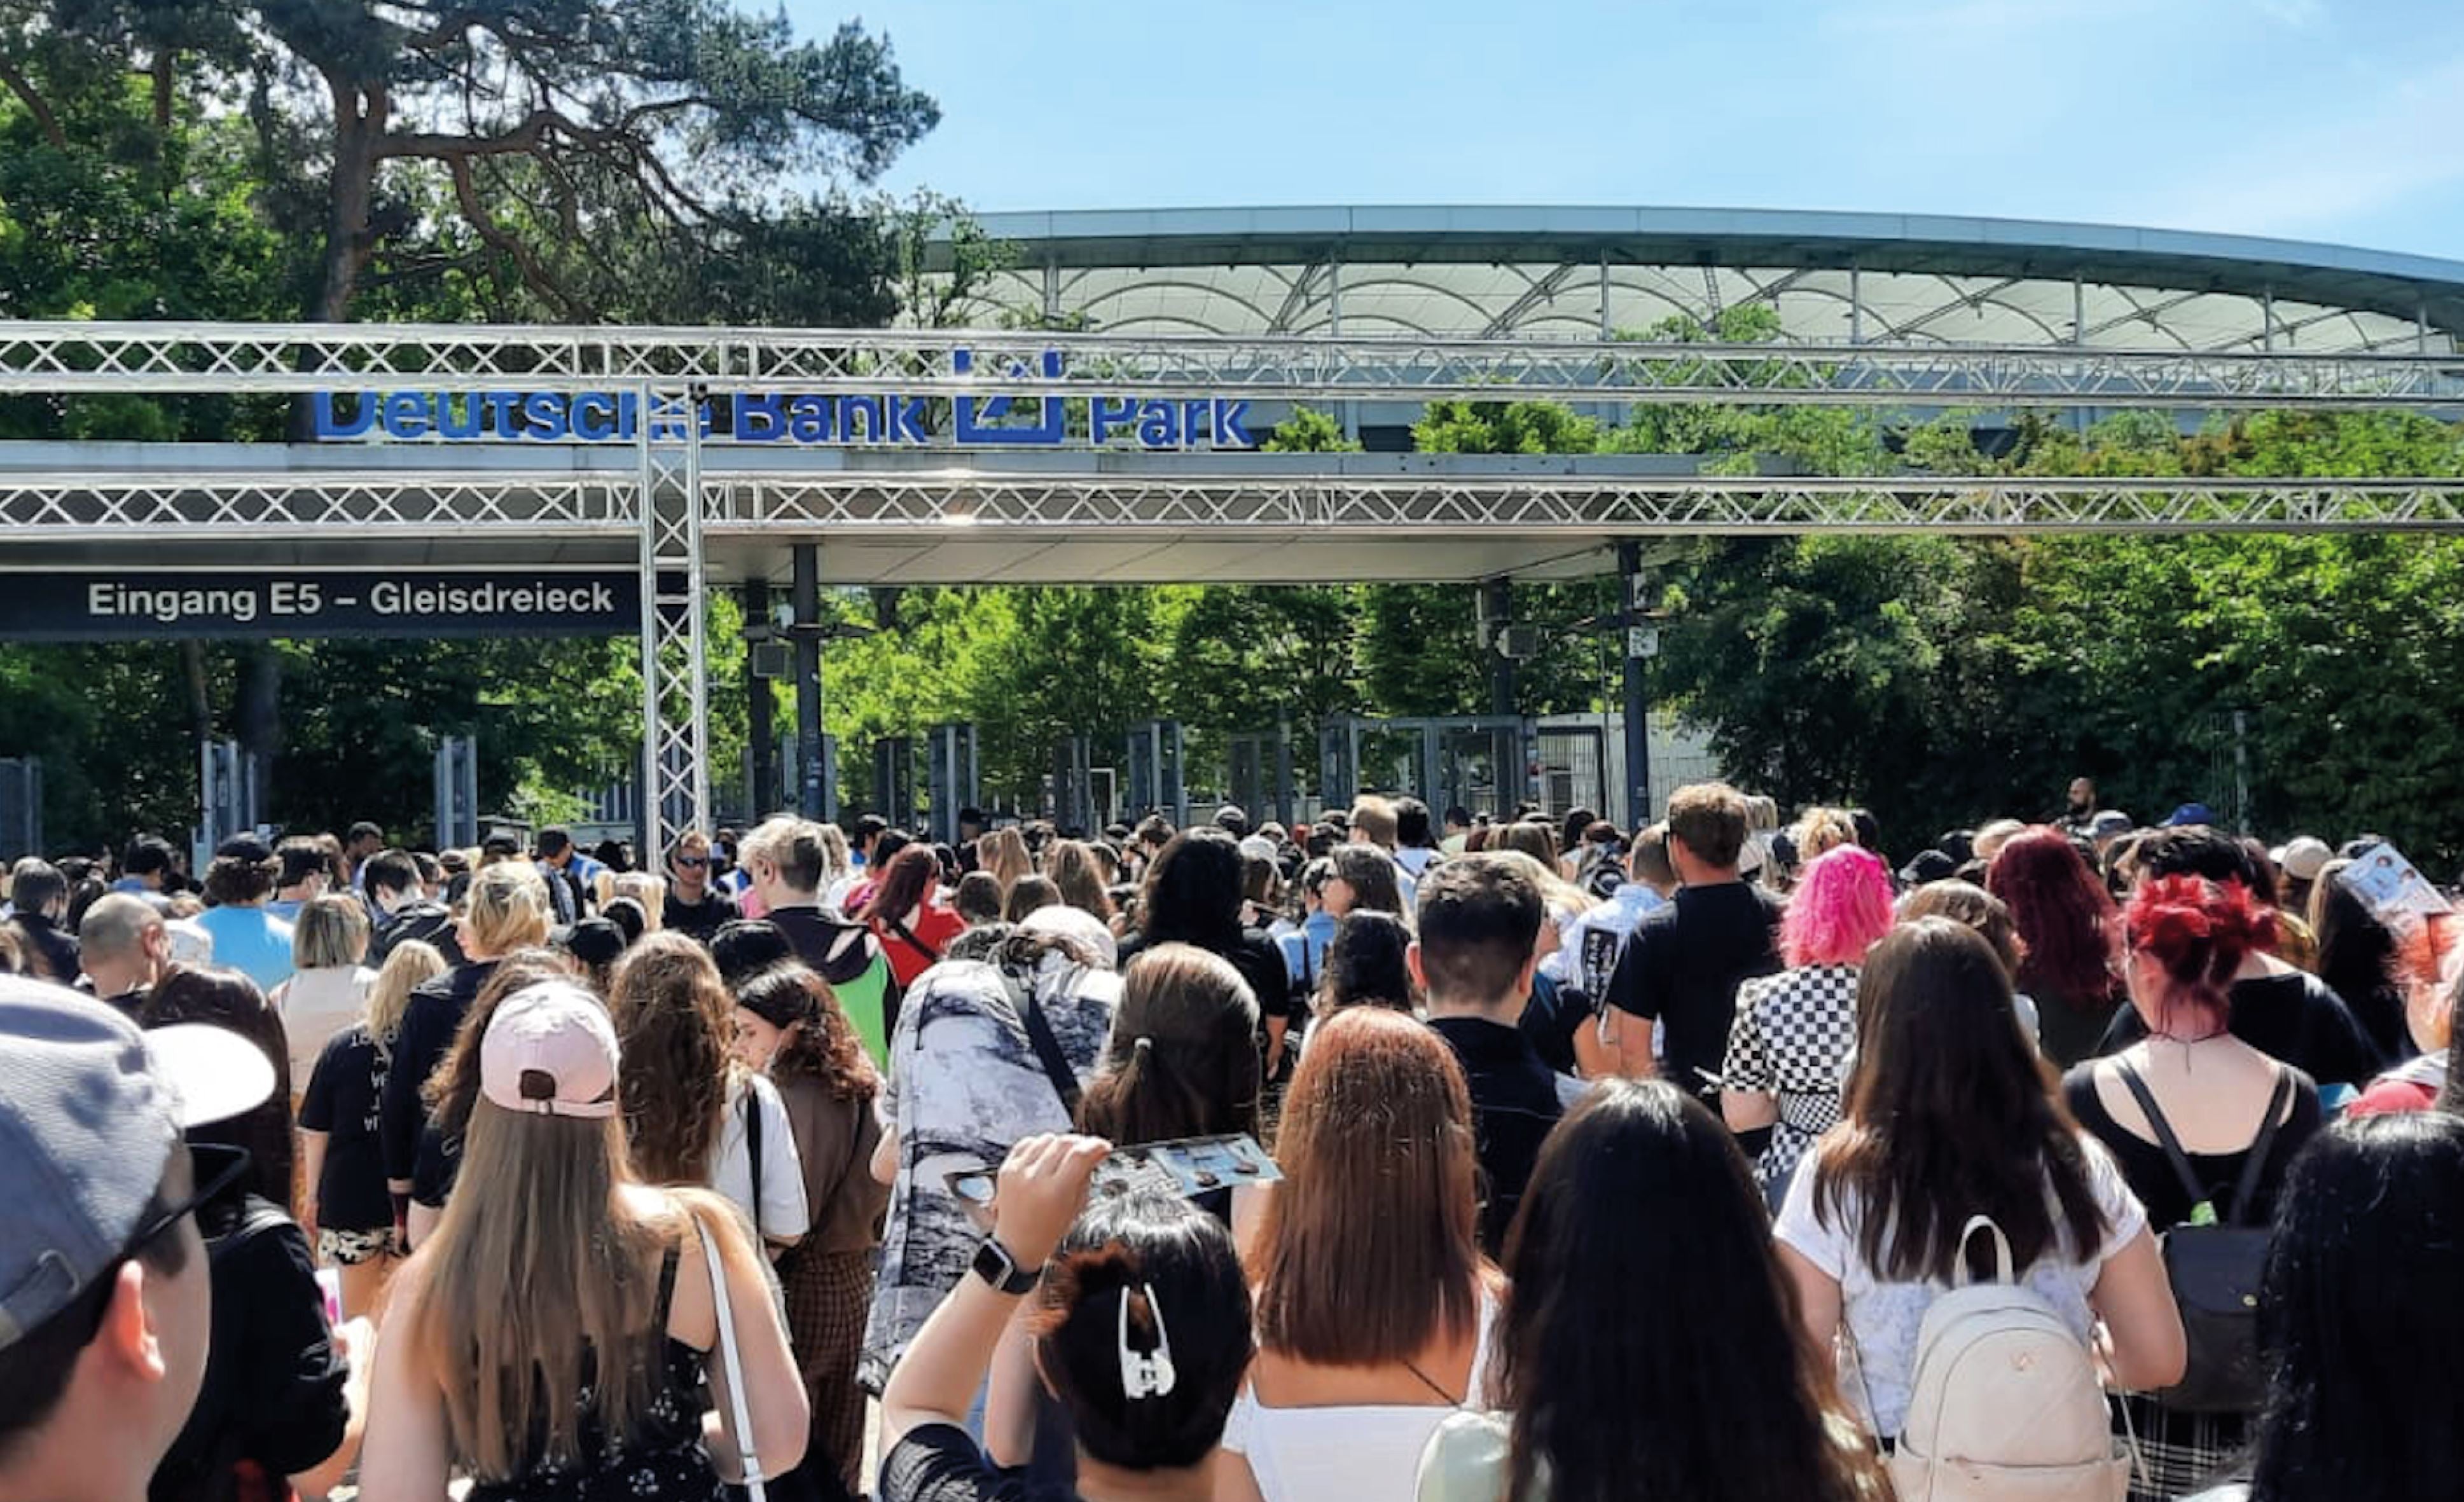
1587	272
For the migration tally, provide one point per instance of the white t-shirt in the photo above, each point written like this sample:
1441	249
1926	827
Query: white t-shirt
784	1210
1882	1316
316	1005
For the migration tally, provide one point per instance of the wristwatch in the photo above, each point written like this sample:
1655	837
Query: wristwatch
996	1266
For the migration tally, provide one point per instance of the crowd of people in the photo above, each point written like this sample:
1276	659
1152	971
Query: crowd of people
1710	1160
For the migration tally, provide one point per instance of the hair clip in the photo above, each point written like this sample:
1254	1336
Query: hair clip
1147	1373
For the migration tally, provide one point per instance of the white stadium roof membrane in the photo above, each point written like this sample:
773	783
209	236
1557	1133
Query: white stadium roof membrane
1572	273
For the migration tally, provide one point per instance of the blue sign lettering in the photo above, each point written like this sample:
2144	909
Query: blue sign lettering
804	419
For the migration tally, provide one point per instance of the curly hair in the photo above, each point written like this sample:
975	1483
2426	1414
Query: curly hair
823	1044
674	1025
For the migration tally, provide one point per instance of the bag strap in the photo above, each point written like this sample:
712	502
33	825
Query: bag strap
2164	1129
753	1149
913	943
1046	1045
2003	1271
2246	1189
739	1415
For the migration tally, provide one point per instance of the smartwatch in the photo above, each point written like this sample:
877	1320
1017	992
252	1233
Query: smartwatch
996	1266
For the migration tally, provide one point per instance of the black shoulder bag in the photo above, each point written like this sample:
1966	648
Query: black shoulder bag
2215	1269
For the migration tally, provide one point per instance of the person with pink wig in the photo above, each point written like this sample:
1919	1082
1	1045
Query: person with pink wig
1790	1045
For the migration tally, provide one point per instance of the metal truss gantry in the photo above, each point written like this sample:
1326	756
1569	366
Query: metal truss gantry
223	358
683	490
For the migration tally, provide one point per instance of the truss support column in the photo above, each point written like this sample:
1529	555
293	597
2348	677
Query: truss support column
1497	610
1052	293
2079	309
1631	586
805	589
762	796
2421	326
675	718
2267	318
1347	408
1608	329
1856	306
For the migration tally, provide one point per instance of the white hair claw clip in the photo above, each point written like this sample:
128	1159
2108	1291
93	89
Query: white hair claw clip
1146	1374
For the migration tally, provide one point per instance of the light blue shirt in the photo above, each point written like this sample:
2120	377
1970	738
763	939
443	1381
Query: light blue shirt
250	941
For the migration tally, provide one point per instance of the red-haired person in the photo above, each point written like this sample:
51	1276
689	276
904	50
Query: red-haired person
1795	1032
2185	937
2070	938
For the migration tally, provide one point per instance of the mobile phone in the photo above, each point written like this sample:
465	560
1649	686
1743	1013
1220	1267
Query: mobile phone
329	1283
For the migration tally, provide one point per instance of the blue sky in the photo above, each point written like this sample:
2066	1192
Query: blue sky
2325	119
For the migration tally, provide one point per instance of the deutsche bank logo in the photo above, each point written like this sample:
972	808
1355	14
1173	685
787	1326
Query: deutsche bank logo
1099	419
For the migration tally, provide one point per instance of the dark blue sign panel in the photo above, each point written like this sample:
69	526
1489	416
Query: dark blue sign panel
121	605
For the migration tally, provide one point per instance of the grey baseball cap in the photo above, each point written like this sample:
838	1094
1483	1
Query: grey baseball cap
91	1110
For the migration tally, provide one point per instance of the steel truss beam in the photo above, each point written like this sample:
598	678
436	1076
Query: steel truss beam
241	359
849	505
289	505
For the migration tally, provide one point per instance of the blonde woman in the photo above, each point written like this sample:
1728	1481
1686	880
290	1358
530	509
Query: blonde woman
328	985
553	1337
642	887
352	1221
505	908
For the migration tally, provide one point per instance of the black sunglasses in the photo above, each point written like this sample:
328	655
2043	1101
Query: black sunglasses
217	1169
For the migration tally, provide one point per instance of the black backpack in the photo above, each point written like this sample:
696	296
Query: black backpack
2215	1269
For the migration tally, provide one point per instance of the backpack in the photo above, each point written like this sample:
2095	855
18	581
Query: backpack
2215	1268
2003	1403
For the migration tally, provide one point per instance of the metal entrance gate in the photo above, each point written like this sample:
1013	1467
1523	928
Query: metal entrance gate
1480	762
1155	764
1263	777
952	780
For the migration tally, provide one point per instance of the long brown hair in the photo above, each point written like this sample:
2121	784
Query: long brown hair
1183	1057
673	1019
1370	1249
1072	868
1950	1115
820	1042
229	999
1002	852
541	1280
906	882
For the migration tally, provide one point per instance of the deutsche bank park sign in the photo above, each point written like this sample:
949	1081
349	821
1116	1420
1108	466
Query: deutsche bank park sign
1100	419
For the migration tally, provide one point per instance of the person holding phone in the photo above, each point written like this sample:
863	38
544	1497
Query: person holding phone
1182	1062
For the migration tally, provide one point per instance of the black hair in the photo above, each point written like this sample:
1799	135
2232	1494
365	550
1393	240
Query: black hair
1194	891
1479	920
37	1368
1176	1267
629	917
889	844
391	871
1365	965
2358	1315
743	947
146	855
1457	813
551	841
869	827
2196	850
1612	1396
363	829
1370	872
302	855
612	853
35	884
1411	823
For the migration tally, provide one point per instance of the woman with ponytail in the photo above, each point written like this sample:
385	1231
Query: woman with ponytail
1182	1060
2185	939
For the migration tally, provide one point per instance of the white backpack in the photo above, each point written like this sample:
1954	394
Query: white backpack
2004	1404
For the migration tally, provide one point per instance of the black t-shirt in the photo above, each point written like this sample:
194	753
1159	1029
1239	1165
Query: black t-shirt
1255	955
1682	968
1515	1105
2291	1017
344	1093
429	923
273	1391
700	918
430	1020
938	1463
1551	1020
